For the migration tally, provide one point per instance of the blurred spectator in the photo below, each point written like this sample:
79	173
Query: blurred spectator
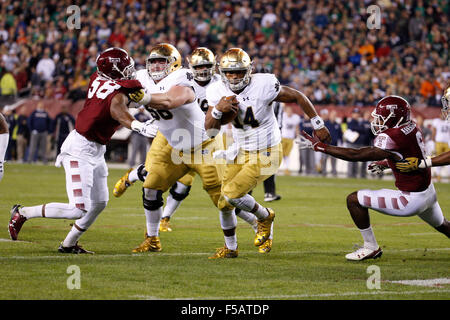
46	66
139	143
441	137
307	156
356	137
8	85
39	124
22	137
336	139
64	123
289	130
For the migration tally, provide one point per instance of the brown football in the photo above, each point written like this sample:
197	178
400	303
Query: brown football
229	116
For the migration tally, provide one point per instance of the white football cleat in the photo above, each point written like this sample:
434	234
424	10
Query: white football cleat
364	253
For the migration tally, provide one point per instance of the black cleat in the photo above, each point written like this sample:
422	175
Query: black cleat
76	249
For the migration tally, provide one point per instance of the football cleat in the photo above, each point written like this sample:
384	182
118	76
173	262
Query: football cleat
16	222
152	244
268	197
224	252
164	225
265	247
76	249
121	186
264	228
364	253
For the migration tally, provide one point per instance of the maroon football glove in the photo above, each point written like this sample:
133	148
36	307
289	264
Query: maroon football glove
316	144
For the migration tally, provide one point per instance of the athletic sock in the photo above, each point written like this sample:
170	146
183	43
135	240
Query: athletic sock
369	238
153	218
231	242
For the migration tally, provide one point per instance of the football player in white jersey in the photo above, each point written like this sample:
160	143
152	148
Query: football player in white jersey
259	151
181	144
202	64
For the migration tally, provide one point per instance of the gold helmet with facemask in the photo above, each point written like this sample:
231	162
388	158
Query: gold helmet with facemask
202	63
235	59
446	104
163	51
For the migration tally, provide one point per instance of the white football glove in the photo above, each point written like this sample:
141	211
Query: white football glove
147	129
377	167
303	143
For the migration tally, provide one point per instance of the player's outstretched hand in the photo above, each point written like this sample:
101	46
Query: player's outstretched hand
140	96
312	142
323	134
408	164
377	167
147	129
227	104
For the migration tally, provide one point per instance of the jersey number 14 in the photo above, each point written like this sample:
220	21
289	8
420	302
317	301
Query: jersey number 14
249	119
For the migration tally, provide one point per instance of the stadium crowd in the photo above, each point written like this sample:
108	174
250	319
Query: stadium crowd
323	48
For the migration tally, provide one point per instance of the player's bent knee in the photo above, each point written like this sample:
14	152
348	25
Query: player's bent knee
352	199
179	196
152	199
141	172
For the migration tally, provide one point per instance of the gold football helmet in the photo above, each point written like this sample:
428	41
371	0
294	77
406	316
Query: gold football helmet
446	104
202	57
163	51
235	59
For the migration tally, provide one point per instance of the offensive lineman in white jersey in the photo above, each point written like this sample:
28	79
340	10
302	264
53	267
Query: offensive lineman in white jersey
181	144
202	64
257	132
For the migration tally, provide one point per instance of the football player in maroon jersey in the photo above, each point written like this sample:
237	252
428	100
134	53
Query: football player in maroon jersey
82	153
412	163
397	137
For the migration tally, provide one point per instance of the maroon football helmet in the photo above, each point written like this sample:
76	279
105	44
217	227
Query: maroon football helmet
115	64
390	112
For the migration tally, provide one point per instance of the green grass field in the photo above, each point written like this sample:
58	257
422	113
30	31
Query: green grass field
313	232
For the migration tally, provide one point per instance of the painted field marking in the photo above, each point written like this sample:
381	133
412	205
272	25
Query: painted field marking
300	296
423	283
168	254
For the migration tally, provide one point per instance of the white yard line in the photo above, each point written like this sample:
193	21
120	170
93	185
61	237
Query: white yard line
423	283
303	296
174	254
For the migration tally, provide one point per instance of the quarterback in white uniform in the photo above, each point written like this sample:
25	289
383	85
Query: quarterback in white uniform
176	152
255	127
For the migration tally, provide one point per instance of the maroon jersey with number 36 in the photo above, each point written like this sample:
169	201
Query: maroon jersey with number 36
94	121
407	141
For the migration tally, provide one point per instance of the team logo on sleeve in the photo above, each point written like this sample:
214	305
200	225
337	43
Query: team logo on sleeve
189	76
380	142
277	86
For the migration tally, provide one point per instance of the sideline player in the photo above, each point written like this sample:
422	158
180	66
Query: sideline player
413	163
4	138
256	130
181	144
396	137
82	153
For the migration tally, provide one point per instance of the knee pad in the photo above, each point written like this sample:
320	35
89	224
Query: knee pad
141	172
246	202
152	199
179	196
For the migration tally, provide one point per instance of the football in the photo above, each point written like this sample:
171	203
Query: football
229	116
